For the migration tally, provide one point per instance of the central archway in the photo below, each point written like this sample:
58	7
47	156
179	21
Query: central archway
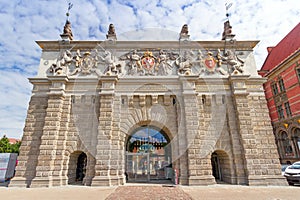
148	155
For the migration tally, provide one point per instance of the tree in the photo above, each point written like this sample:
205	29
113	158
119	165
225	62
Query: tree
6	147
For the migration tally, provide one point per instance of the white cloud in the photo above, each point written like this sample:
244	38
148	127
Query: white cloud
15	92
23	22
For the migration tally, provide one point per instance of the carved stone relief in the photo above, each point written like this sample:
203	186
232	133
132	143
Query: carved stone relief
62	62
210	64
164	65
111	66
85	63
234	63
133	62
157	62
184	63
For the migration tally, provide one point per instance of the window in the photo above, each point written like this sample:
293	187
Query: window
281	85
280	112
72	98
297	68
274	88
298	73
286	144
287	109
297	137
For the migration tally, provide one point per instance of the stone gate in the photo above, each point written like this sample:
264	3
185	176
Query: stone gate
204	98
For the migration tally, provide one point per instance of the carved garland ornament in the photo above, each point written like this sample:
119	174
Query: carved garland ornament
159	63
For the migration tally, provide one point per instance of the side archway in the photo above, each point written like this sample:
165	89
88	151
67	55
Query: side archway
77	167
221	166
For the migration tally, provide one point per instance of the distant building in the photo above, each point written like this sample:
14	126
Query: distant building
282	89
13	140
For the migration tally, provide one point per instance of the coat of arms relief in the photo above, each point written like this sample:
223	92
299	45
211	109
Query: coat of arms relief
147	62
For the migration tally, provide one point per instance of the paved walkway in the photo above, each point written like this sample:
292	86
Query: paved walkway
239	192
148	193
154	191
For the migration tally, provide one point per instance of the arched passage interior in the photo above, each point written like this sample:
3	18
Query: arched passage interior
77	167
221	167
148	155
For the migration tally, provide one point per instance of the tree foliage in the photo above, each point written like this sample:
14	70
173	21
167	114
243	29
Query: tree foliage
6	147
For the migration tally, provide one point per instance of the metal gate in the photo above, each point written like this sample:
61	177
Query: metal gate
146	167
148	155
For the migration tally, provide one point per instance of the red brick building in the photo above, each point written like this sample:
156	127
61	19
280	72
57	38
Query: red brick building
282	89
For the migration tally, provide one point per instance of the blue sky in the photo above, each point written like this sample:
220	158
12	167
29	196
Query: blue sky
22	22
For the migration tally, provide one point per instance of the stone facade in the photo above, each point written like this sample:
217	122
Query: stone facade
205	96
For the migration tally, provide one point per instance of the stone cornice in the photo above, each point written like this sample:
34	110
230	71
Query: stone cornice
39	80
57	45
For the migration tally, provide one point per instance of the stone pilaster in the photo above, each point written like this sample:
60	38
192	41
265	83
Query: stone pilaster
200	143
204	142
31	140
257	155
197	164
268	157
60	168
237	148
119	140
45	170
182	139
116	172
182	147
106	152
244	124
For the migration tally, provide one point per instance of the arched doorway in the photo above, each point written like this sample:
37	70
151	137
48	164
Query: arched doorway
221	166
81	167
286	145
77	167
148	155
296	141
216	168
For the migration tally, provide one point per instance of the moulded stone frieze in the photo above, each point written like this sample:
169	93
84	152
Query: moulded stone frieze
112	59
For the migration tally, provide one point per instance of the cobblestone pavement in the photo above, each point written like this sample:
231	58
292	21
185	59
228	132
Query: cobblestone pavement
148	192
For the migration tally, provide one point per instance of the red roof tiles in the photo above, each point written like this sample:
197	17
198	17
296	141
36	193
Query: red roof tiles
13	140
286	47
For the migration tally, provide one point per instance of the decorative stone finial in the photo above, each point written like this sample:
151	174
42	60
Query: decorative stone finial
111	34
227	33
67	32
184	33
